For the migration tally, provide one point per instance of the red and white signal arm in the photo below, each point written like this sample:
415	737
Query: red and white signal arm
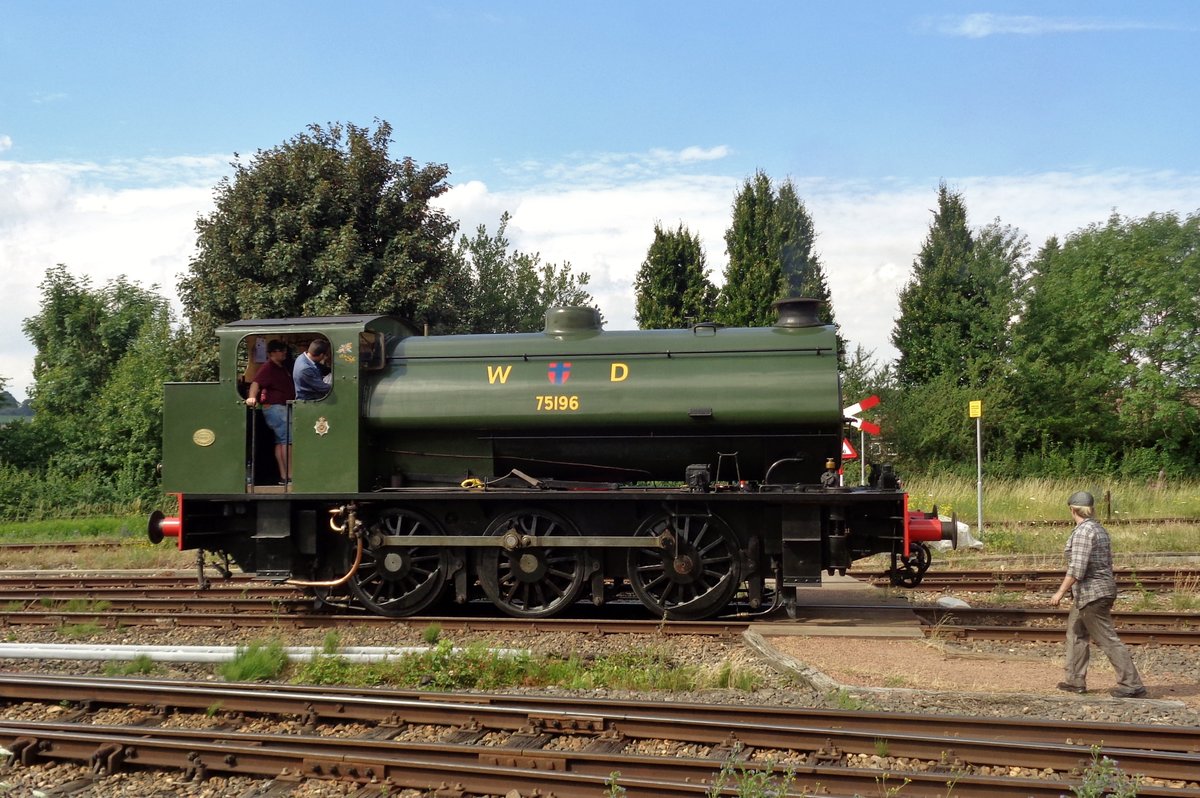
851	415
848	451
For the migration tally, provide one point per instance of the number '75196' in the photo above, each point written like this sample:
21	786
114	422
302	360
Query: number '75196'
557	402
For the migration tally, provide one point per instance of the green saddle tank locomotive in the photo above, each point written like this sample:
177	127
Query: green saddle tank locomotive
689	467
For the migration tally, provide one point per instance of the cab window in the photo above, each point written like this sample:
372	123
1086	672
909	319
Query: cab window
370	349
252	354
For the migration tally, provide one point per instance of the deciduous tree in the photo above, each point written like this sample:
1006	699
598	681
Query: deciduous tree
326	223
1106	354
511	291
102	357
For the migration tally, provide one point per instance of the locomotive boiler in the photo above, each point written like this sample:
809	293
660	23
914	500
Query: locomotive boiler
688	467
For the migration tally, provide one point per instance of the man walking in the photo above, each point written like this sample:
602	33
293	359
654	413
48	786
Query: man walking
1090	580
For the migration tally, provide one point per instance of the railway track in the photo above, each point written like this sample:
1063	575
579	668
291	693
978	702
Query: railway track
172	601
491	744
1152	579
1179	630
1155	578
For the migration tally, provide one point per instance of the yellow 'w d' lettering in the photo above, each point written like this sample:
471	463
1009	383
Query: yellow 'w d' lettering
498	373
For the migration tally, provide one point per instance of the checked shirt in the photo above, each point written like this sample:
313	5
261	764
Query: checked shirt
1089	560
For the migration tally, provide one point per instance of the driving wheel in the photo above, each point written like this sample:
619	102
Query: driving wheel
693	574
528	581
399	580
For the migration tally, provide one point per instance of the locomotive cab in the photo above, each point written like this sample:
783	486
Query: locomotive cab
215	446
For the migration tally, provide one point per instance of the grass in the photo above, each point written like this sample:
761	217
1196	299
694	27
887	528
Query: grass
141	665
731	677
84	605
748	782
751	782
256	662
1186	595
844	699
1048	541
76	631
1018	501
1045	499
68	529
477	667
134	550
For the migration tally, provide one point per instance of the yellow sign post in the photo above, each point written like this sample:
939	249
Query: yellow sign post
975	411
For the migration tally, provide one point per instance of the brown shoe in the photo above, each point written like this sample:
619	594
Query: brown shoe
1071	688
1125	692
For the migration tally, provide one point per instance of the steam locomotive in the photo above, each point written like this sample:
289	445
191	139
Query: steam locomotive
694	468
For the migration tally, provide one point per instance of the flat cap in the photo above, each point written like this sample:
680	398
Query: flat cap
1081	498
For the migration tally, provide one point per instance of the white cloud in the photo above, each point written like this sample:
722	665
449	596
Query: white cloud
978	26
868	234
132	218
72	214
602	169
5	143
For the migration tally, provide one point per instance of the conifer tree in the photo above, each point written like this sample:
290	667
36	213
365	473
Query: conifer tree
770	245
673	286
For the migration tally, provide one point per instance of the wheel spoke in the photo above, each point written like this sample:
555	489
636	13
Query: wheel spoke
693	579
399	581
532	582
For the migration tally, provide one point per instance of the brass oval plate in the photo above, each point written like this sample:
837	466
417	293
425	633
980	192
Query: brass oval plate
203	437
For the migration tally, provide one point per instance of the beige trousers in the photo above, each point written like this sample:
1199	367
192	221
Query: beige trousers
1093	623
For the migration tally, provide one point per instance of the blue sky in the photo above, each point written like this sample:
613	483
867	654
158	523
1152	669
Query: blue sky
590	121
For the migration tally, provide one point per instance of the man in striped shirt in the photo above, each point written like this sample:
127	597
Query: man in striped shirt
1090	580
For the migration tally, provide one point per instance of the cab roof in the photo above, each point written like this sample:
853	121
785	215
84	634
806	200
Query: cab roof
358	320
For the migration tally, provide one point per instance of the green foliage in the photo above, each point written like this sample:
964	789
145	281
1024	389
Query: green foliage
1098	376
612	788
511	292
1103	778
863	375
324	224
1106	359
102	356
476	667
673	286
844	699
77	631
928	424
36	494
10	409
431	633
140	665
256	662
769	242
751	782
